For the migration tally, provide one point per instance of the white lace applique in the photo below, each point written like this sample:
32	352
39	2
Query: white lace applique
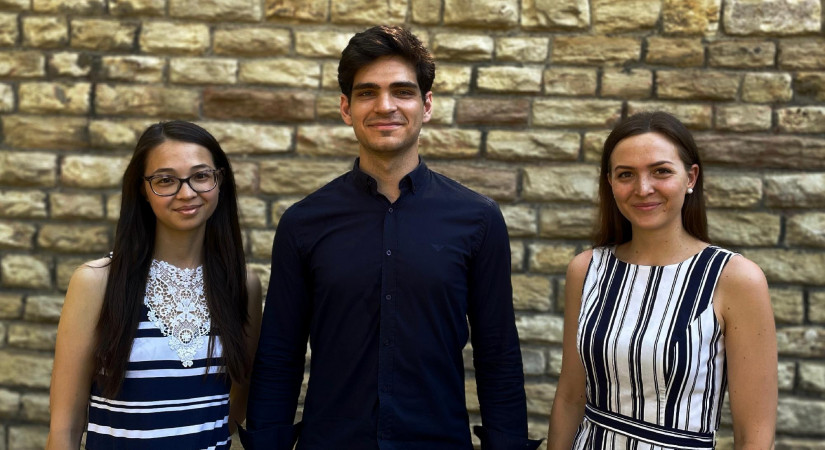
177	306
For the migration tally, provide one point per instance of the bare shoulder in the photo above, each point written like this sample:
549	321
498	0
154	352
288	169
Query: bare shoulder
742	275
742	290
84	296
91	275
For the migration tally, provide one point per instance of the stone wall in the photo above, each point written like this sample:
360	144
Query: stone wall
526	91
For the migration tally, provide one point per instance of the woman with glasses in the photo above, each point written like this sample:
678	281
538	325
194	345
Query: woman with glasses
155	342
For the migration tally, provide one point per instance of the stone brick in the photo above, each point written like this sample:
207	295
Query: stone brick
517	256
790	443
328	106
509	79
298	176
767	87
16	235
809	86
258	104
280	206
449	143
577	183
520	220
741	53
570	81
693	17
69	64
116	134
627	83
462	47
795	191
368	12
550	258
6	98
762	151
790	266
23	204
816	307
611	16
74	238
486	111
539	400
576	113
32	337
485	13
593	144
786	373
697	85
425	11
44	31
43	308
25	271
678	52
252	211
28	169
737	228
252	41
321	44
788	305
443	111
522	49
796	415
281	72
540	328
27	437
22	64
529	145
248	138
35	407
174	38
802	54
203	71
9	30
554	362
60	98
103	34
11	307
533	361
135	68
772	17
597	50
146	100
802	119
806	230
499	184
555	14
531	292
113	205
566	223
65	270
79	7
62	133
261	243
137	7
297	10
325	140
16	5
222	10
247	176
739	117
452	79
9	403
94	172
812	376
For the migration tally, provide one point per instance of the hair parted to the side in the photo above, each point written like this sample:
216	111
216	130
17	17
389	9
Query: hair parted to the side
224	264
612	228
379	41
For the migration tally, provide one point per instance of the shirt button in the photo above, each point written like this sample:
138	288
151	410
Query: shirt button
389	252
390	209
386	342
388	297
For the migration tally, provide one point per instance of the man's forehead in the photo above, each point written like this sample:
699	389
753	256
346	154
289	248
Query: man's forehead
386	70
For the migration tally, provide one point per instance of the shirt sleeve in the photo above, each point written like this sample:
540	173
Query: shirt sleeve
279	360
496	353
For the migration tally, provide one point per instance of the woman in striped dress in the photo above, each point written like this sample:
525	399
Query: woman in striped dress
657	321
155	342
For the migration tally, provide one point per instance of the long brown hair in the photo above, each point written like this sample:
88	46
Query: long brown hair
612	228
224	264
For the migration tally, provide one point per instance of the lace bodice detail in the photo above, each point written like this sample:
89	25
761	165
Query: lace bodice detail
177	306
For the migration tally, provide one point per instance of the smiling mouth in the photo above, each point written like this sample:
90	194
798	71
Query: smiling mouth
188	209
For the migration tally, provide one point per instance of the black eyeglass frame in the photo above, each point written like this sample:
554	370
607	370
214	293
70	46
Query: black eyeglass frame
216	172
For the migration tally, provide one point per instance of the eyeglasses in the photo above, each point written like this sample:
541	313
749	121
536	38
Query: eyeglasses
168	185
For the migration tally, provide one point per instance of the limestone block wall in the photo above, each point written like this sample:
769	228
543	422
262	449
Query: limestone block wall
525	93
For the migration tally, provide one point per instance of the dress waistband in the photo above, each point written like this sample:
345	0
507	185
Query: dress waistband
649	432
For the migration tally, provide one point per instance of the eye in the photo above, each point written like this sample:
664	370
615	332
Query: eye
165	181
623	174
202	176
405	93
365	93
662	171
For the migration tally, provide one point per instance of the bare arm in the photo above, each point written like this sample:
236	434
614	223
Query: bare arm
239	394
74	355
743	303
568	405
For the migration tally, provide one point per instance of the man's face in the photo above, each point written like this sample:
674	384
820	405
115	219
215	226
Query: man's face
386	109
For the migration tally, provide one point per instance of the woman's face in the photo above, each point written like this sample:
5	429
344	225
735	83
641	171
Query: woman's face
649	181
187	210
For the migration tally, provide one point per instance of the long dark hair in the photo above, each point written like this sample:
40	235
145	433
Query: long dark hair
224	265
612	228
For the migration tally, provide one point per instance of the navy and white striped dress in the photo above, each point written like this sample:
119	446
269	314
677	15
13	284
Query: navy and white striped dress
166	402
653	353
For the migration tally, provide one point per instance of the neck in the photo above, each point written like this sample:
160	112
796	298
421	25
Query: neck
182	249
388	170
659	247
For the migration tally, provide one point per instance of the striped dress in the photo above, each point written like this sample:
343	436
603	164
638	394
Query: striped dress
653	353
165	401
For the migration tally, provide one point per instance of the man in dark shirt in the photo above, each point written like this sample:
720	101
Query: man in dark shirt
386	270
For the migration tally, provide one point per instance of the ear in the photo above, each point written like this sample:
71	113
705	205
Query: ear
428	106
693	175
345	110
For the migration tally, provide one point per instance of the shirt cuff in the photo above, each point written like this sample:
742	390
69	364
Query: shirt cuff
278	437
496	440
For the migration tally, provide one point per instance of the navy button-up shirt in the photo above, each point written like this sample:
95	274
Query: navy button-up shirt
388	294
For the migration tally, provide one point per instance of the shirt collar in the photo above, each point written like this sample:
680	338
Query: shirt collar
412	181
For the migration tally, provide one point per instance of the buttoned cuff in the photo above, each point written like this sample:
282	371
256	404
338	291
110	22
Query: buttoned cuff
279	437
496	440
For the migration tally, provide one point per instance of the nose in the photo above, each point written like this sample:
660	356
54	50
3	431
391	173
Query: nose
186	191
385	104
644	185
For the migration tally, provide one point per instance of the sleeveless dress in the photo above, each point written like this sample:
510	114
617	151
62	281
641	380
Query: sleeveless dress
653	353
166	402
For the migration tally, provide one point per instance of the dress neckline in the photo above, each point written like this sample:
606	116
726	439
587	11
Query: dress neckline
169	266
612	250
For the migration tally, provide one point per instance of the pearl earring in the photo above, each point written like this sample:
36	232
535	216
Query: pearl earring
689	191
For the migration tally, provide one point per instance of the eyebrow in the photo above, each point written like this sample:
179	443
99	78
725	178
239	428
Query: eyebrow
195	168
657	163
394	85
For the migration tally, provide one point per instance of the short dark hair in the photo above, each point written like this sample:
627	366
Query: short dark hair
612	228
379	41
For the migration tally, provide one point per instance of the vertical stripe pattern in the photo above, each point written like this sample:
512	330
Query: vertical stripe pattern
653	352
